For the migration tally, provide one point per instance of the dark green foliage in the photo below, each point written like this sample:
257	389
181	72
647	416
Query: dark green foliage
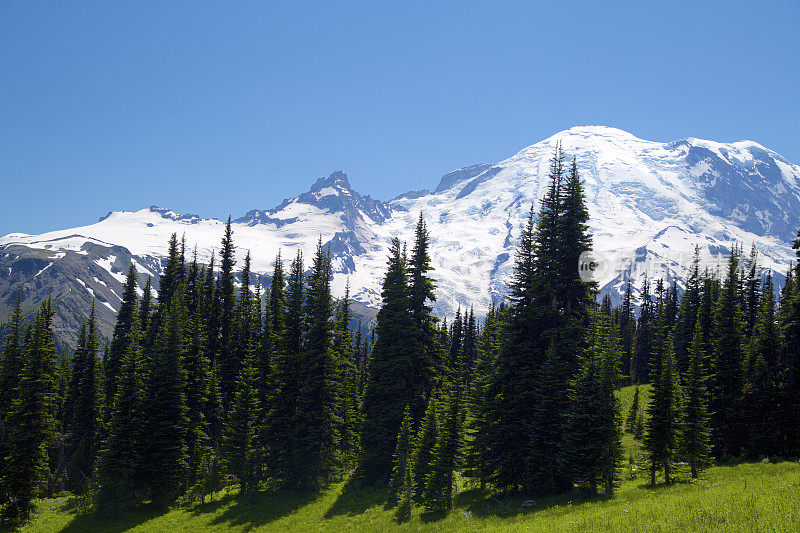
164	453
401	461
240	443
121	465
386	391
30	421
11	364
228	365
350	404
426	442
422	334
627	333
478	450
86	424
278	434
643	344
664	410
695	439
687	314
727	365
122	330
316	420
633	414
448	453
403	513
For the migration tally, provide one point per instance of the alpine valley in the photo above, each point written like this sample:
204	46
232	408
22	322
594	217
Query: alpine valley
650	204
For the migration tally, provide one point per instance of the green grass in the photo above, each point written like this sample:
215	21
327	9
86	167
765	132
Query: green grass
744	497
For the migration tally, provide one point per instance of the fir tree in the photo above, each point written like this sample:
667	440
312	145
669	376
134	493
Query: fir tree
120	463
11	364
422	334
122	330
86	426
164	411
316	420
633	414
240	443
663	424
401	461
423	457
30	421
447	454
627	332
349	406
727	361
643	345
695	443
386	391
227	305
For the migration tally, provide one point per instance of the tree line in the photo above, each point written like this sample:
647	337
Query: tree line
212	382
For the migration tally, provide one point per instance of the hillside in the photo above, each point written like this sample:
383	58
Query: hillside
743	497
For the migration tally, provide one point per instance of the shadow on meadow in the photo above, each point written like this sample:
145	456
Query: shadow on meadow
103	522
257	510
355	499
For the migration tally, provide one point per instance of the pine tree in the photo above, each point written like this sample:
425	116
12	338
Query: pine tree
386	391
350	404
727	362
403	513
627	332
695	443
121	333
120	462
663	424
422	334
633	414
278	433
401	461
240	443
164	455
447	454
11	367
316	420
227	306
145	307
477	454
198	378
687	314
86	425
643	345
426	442
30	422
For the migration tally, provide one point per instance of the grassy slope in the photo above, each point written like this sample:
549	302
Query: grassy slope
745	497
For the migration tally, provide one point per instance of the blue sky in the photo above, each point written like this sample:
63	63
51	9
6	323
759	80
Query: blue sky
221	107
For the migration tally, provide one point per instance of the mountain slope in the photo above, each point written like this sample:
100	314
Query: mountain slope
650	204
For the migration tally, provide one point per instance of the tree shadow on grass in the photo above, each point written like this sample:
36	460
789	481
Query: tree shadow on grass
484	503
108	523
355	499
257	510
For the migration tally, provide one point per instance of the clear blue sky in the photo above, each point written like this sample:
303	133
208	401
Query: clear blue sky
220	107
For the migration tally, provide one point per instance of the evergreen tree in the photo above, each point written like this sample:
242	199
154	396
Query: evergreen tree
633	414
316	420
164	453
349	406
145	307
241	450
278	433
643	346
422	332
120	463
227	305
727	361
86	425
447	454
477	453
386	391
198	378
121	333
423	457
30	422
695	443
11	364
401	461
663	424
687	314
627	332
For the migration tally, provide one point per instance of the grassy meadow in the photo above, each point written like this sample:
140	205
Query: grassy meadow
742	497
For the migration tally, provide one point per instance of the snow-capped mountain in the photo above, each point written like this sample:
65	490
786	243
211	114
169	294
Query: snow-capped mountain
650	204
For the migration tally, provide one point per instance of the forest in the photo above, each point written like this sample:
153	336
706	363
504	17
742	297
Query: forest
214	383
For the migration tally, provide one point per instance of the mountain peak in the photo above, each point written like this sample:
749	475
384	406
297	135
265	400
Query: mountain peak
336	179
